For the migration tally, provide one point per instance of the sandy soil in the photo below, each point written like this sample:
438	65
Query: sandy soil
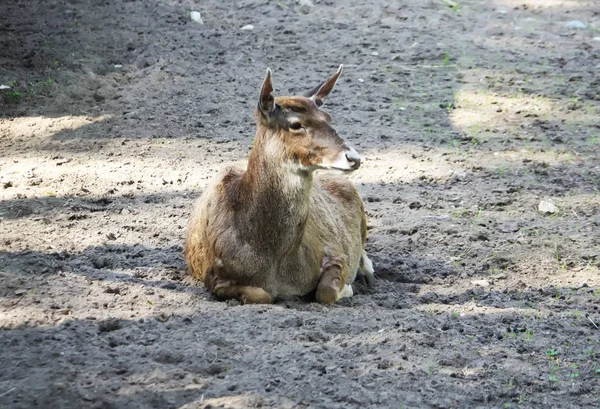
468	114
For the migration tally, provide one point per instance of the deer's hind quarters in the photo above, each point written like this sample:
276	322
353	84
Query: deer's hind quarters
239	239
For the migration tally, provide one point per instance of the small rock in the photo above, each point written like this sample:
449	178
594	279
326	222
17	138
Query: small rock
20	292
112	290
479	236
247	27
509	227
117	66
547	207
481	283
576	24
35	182
375	53
596	38
111	324
195	16
4	87
361	80
125	212
440	217
101	262
307	3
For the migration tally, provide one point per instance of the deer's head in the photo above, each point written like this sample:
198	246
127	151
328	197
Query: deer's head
300	133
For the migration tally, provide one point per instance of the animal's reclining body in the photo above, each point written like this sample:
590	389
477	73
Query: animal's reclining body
276	229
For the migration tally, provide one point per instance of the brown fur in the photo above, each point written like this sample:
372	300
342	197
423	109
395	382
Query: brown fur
275	230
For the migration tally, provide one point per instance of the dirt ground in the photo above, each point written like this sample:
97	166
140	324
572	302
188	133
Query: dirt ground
467	113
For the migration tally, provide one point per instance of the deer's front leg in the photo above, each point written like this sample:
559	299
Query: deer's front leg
332	284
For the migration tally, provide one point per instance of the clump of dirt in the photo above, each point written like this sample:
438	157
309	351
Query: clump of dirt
468	115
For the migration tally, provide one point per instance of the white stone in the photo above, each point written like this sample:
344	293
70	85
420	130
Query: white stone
248	27
575	24
361	80
547	207
308	3
481	283
117	66
196	16
596	38
4	87
374	53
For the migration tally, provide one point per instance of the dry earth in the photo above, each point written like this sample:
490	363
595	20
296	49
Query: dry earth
468	114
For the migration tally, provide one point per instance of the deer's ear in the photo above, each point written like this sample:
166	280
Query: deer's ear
266	103
318	94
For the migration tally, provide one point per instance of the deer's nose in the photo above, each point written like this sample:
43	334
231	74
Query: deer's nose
354	158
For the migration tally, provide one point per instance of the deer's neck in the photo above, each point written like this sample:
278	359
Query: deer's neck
277	197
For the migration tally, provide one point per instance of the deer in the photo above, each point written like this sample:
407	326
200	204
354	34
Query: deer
280	228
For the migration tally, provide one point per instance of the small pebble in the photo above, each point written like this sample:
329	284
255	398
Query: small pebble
247	27
596	38
481	283
196	16
576	24
20	292
547	207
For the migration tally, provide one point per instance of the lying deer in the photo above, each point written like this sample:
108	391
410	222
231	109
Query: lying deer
276	229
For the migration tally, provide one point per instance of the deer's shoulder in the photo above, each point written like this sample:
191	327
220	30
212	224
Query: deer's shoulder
229	186
338	186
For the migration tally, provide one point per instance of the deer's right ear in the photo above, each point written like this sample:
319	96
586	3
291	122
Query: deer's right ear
266	102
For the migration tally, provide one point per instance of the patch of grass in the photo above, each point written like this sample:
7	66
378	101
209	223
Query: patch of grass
446	60
460	213
452	4
552	353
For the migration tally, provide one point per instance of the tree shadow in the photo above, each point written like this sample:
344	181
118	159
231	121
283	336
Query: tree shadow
183	358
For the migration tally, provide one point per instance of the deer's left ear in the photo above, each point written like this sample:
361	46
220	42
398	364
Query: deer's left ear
318	94
266	103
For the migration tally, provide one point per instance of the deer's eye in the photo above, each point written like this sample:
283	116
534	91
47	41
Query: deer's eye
296	126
